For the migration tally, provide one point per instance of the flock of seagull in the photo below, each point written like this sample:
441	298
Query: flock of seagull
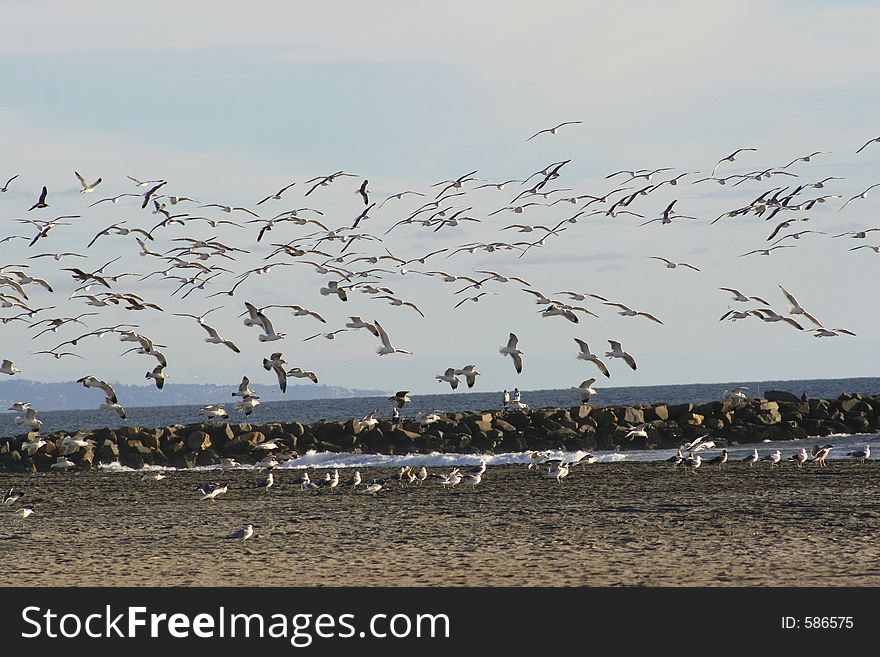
689	455
356	261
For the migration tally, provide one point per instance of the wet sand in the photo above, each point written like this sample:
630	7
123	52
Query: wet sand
606	524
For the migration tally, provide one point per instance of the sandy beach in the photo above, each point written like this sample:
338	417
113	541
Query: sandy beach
627	524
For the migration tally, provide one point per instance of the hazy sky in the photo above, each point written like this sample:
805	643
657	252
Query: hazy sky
229	102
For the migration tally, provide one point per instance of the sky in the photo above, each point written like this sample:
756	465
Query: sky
229	102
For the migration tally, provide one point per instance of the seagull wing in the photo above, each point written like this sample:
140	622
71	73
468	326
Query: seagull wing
512	341
282	377
650	316
790	297
601	366
383	336
517	362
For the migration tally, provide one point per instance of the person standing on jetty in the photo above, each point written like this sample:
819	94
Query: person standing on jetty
516	396
395	414
505	399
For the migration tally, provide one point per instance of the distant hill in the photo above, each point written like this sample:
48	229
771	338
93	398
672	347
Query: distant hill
71	395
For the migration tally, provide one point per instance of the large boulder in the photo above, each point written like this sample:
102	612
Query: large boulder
781	396
198	441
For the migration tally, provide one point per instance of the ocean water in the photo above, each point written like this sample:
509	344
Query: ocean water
312	410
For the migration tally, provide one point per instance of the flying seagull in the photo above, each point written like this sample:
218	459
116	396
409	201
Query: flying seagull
731	157
870	141
618	352
86	187
41	202
586	354
552	130
514	352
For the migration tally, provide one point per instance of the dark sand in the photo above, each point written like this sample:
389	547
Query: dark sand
606	524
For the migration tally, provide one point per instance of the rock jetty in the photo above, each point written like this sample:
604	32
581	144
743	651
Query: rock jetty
778	416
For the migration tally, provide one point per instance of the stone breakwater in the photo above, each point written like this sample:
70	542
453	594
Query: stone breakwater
779	416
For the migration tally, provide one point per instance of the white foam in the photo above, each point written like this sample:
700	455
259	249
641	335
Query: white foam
342	460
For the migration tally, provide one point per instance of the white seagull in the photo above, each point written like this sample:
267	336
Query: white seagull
586	390
8	368
448	377
514	352
387	347
618	352
244	533
303	374
586	354
216	338
470	374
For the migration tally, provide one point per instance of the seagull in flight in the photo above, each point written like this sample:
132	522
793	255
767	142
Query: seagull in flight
731	157
875	140
398	196
805	158
586	390
512	350
277	195
87	187
326	180
5	187
767	252
216	338
303	374
41	202
626	311
553	130
864	194
673	265
448	377
618	352
586	354
112	199
795	308
387	347
739	296
277	363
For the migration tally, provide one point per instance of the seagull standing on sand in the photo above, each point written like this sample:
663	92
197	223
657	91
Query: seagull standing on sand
800	457
211	491
752	458
514	352
244	533
721	459
861	454
821	453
